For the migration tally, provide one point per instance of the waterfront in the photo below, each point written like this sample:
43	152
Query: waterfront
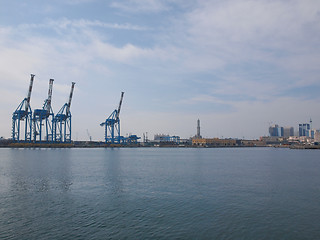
159	193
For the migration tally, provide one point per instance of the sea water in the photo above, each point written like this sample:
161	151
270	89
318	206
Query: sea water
159	193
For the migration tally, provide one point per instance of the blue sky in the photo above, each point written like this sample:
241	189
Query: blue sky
238	66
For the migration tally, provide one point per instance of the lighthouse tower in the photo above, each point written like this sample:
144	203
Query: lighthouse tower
198	129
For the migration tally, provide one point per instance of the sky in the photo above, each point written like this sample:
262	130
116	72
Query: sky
237	65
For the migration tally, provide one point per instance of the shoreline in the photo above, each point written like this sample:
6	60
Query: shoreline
138	145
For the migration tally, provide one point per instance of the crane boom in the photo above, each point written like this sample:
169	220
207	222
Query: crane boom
49	95
70	98
119	108
29	93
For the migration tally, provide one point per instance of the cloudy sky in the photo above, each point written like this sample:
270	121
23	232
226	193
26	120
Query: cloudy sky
237	65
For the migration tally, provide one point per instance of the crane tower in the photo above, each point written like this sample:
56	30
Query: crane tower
43	118
23	113
62	121
112	125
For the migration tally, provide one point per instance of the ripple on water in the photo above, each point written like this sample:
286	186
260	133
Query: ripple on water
159	194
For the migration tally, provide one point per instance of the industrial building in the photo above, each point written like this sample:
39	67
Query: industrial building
215	142
161	138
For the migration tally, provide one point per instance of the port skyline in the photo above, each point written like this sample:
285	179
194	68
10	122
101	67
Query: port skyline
175	61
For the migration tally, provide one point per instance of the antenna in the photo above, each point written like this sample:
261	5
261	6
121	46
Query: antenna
89	135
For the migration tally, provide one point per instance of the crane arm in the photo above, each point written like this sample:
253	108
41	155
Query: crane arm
119	108
29	93
70	98
49	95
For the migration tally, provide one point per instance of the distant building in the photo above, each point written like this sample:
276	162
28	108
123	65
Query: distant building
317	136
304	129
277	131
214	142
198	135
271	140
288	132
166	138
253	143
311	133
217	142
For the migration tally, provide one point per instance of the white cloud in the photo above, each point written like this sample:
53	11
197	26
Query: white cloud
126	54
65	23
141	5
237	31
199	99
244	54
75	2
248	21
234	39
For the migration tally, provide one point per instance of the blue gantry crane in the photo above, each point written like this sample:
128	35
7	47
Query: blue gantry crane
43	118
23	113
112	125
62	121
132	139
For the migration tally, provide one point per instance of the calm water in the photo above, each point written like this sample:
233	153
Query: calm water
230	193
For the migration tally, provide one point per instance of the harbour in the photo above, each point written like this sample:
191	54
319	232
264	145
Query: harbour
159	120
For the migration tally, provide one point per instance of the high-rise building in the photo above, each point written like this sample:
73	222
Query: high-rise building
288	132
304	129
275	131
317	136
310	133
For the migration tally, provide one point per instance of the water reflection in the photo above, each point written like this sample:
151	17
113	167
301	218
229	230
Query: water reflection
159	194
39	170
113	172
